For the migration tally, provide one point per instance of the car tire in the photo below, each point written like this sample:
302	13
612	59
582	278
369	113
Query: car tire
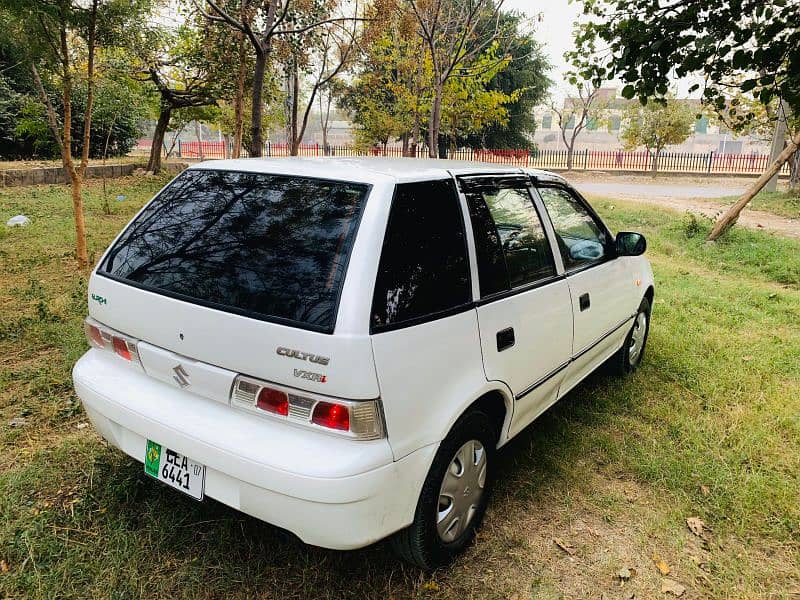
630	355
448	516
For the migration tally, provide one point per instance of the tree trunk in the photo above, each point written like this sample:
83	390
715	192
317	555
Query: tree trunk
794	172
570	157
415	135
154	162
257	109
730	217
198	135
238	100
434	122
656	157
296	134
778	140
76	181
404	139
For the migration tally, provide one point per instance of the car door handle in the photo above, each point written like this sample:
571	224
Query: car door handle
505	339
584	302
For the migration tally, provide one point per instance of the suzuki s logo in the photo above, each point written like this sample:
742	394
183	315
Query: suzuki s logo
181	376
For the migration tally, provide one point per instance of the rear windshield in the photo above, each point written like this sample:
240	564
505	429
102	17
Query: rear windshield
272	247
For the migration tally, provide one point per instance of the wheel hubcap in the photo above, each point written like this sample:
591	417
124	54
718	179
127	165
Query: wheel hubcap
637	338
462	490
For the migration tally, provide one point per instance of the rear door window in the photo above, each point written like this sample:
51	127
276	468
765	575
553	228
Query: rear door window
273	247
424	269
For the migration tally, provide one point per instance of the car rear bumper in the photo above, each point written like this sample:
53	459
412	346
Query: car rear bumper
331	492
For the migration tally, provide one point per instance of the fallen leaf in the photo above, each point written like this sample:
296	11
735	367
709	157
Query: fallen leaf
626	573
18	422
759	225
747	358
696	526
566	548
705	490
661	565
83	425
4	568
430	586
670	586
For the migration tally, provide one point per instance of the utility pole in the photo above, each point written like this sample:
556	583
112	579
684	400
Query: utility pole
778	140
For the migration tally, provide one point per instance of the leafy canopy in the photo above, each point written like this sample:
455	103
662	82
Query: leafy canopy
656	125
751	45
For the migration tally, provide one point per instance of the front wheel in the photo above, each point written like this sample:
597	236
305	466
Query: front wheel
629	357
454	495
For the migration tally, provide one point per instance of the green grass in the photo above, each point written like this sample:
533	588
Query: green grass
708	427
783	203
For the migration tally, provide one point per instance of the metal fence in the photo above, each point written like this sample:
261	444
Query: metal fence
586	160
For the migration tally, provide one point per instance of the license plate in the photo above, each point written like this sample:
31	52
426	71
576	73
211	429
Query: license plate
176	470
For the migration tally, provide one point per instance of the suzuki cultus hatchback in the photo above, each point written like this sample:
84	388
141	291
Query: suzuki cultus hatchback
339	346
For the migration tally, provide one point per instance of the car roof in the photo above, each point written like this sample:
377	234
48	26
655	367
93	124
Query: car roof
368	169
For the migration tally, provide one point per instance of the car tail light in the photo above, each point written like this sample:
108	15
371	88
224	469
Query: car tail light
357	419
121	347
93	335
104	338
274	401
333	416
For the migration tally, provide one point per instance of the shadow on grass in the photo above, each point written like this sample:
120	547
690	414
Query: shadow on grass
118	533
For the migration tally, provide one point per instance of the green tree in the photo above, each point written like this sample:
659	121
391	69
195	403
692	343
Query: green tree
389	94
185	75
578	110
262	22
454	40
657	125
752	45
526	76
311	62
470	103
62	38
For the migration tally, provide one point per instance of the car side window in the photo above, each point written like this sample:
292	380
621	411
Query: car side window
424	269
581	239
510	242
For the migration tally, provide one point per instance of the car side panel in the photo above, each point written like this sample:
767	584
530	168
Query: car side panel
615	290
534	365
427	374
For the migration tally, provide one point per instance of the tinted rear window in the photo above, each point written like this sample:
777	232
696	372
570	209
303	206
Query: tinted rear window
269	246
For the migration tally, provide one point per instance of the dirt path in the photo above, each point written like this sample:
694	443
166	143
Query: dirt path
697	195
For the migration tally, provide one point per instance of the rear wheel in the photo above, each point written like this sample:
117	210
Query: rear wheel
454	495
629	357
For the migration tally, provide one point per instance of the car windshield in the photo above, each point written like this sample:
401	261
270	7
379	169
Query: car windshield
273	247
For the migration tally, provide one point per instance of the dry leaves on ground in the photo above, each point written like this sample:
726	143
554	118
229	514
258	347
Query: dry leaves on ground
565	547
697	526
670	586
625	573
661	565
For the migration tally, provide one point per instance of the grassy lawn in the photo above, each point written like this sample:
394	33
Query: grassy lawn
782	202
709	427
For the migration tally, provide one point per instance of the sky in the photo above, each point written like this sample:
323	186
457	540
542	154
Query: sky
554	31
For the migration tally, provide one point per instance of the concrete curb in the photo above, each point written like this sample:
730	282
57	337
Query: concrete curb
57	175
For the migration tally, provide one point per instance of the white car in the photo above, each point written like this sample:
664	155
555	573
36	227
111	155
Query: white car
339	346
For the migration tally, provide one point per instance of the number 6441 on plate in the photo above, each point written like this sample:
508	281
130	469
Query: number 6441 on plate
174	469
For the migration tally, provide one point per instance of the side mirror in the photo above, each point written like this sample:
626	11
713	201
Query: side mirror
630	243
